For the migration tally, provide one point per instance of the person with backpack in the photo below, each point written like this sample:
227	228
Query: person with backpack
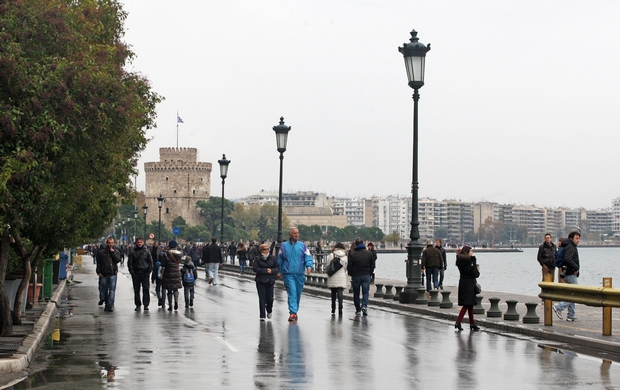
189	274
546	257
140	264
570	264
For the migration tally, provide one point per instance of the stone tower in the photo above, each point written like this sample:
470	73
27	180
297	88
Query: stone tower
182	181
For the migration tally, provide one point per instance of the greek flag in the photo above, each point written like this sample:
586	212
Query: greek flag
179	120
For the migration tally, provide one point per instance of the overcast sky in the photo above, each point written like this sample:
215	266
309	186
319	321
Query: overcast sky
520	103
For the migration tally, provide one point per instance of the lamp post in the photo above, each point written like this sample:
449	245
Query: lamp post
160	202
127	229
135	223
414	54
281	139
144	208
223	173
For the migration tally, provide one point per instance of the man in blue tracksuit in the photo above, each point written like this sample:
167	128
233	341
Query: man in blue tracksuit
295	263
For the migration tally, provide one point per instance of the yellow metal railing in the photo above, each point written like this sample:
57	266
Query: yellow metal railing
605	297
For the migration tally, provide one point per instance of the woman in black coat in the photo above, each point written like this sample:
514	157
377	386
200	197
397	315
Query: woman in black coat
469	270
266	268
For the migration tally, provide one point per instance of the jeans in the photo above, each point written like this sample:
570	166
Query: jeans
188	293
432	272
242	265
108	288
337	292
141	281
265	298
232	259
160	291
213	268
570	279
441	271
362	281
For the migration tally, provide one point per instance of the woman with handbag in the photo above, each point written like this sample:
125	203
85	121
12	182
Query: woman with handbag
337	282
469	270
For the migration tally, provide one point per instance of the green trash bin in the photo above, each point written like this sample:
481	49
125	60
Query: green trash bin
48	274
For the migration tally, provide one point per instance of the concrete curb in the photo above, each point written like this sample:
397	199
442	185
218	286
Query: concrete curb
22	358
534	330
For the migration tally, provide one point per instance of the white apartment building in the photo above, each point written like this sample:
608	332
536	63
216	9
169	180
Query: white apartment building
599	221
394	215
615	215
431	215
529	216
484	210
263	197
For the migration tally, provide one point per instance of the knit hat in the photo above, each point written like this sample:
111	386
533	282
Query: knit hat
172	244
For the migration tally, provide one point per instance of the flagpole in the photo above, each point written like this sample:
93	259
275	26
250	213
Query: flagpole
177	129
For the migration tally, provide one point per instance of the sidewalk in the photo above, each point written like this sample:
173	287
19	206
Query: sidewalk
19	349
586	333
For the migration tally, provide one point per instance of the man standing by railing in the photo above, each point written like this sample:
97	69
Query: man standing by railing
571	272
546	257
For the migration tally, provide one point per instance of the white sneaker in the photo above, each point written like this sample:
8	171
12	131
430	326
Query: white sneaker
269	315
557	312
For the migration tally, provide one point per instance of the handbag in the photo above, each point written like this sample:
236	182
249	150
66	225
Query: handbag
334	266
478	288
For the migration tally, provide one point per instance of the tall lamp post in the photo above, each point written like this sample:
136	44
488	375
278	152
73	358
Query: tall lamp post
135	223
281	139
127	229
144	208
414	53
223	173
160	203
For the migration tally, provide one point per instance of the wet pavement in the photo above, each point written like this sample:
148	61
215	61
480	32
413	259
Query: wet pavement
221	343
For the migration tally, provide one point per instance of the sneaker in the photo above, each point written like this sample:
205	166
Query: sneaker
146	308
557	312
176	305
292	318
358	312
191	302
364	311
100	302
575	319
137	308
210	280
262	319
269	315
186	305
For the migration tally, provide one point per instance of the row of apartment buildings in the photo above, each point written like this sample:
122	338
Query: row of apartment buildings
393	214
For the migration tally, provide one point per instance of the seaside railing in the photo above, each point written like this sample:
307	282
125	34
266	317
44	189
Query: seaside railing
605	297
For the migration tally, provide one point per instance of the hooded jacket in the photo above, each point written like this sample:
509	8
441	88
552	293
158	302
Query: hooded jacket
361	261
339	279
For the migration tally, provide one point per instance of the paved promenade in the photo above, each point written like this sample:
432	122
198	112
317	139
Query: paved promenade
224	325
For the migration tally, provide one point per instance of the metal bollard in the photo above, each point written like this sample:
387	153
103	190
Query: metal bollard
494	310
379	292
399	289
421	299
478	308
511	313
531	317
48	273
607	311
388	292
434	301
446	303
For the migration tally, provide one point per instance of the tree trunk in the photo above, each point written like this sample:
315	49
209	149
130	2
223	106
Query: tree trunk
6	326
27	260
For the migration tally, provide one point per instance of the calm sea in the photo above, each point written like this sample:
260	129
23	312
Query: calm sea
514	272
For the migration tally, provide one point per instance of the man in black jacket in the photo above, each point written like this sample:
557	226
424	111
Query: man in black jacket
360	267
108	257
140	264
571	265
431	262
212	257
546	257
444	264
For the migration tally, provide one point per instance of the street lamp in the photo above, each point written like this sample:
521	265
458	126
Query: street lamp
223	173
127	229
135	223
144	208
414	54
281	139
160	202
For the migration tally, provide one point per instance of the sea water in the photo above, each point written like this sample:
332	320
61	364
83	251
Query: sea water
512	272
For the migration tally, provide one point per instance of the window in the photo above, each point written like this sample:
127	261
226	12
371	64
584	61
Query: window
167	210
193	191
174	192
166	178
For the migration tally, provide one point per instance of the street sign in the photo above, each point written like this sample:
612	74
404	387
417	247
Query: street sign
151	236
176	231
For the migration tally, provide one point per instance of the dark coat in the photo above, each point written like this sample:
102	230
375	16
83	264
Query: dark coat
260	268
172	271
212	254
444	263
467	283
361	261
241	254
140	261
571	257
107	263
546	255
431	257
